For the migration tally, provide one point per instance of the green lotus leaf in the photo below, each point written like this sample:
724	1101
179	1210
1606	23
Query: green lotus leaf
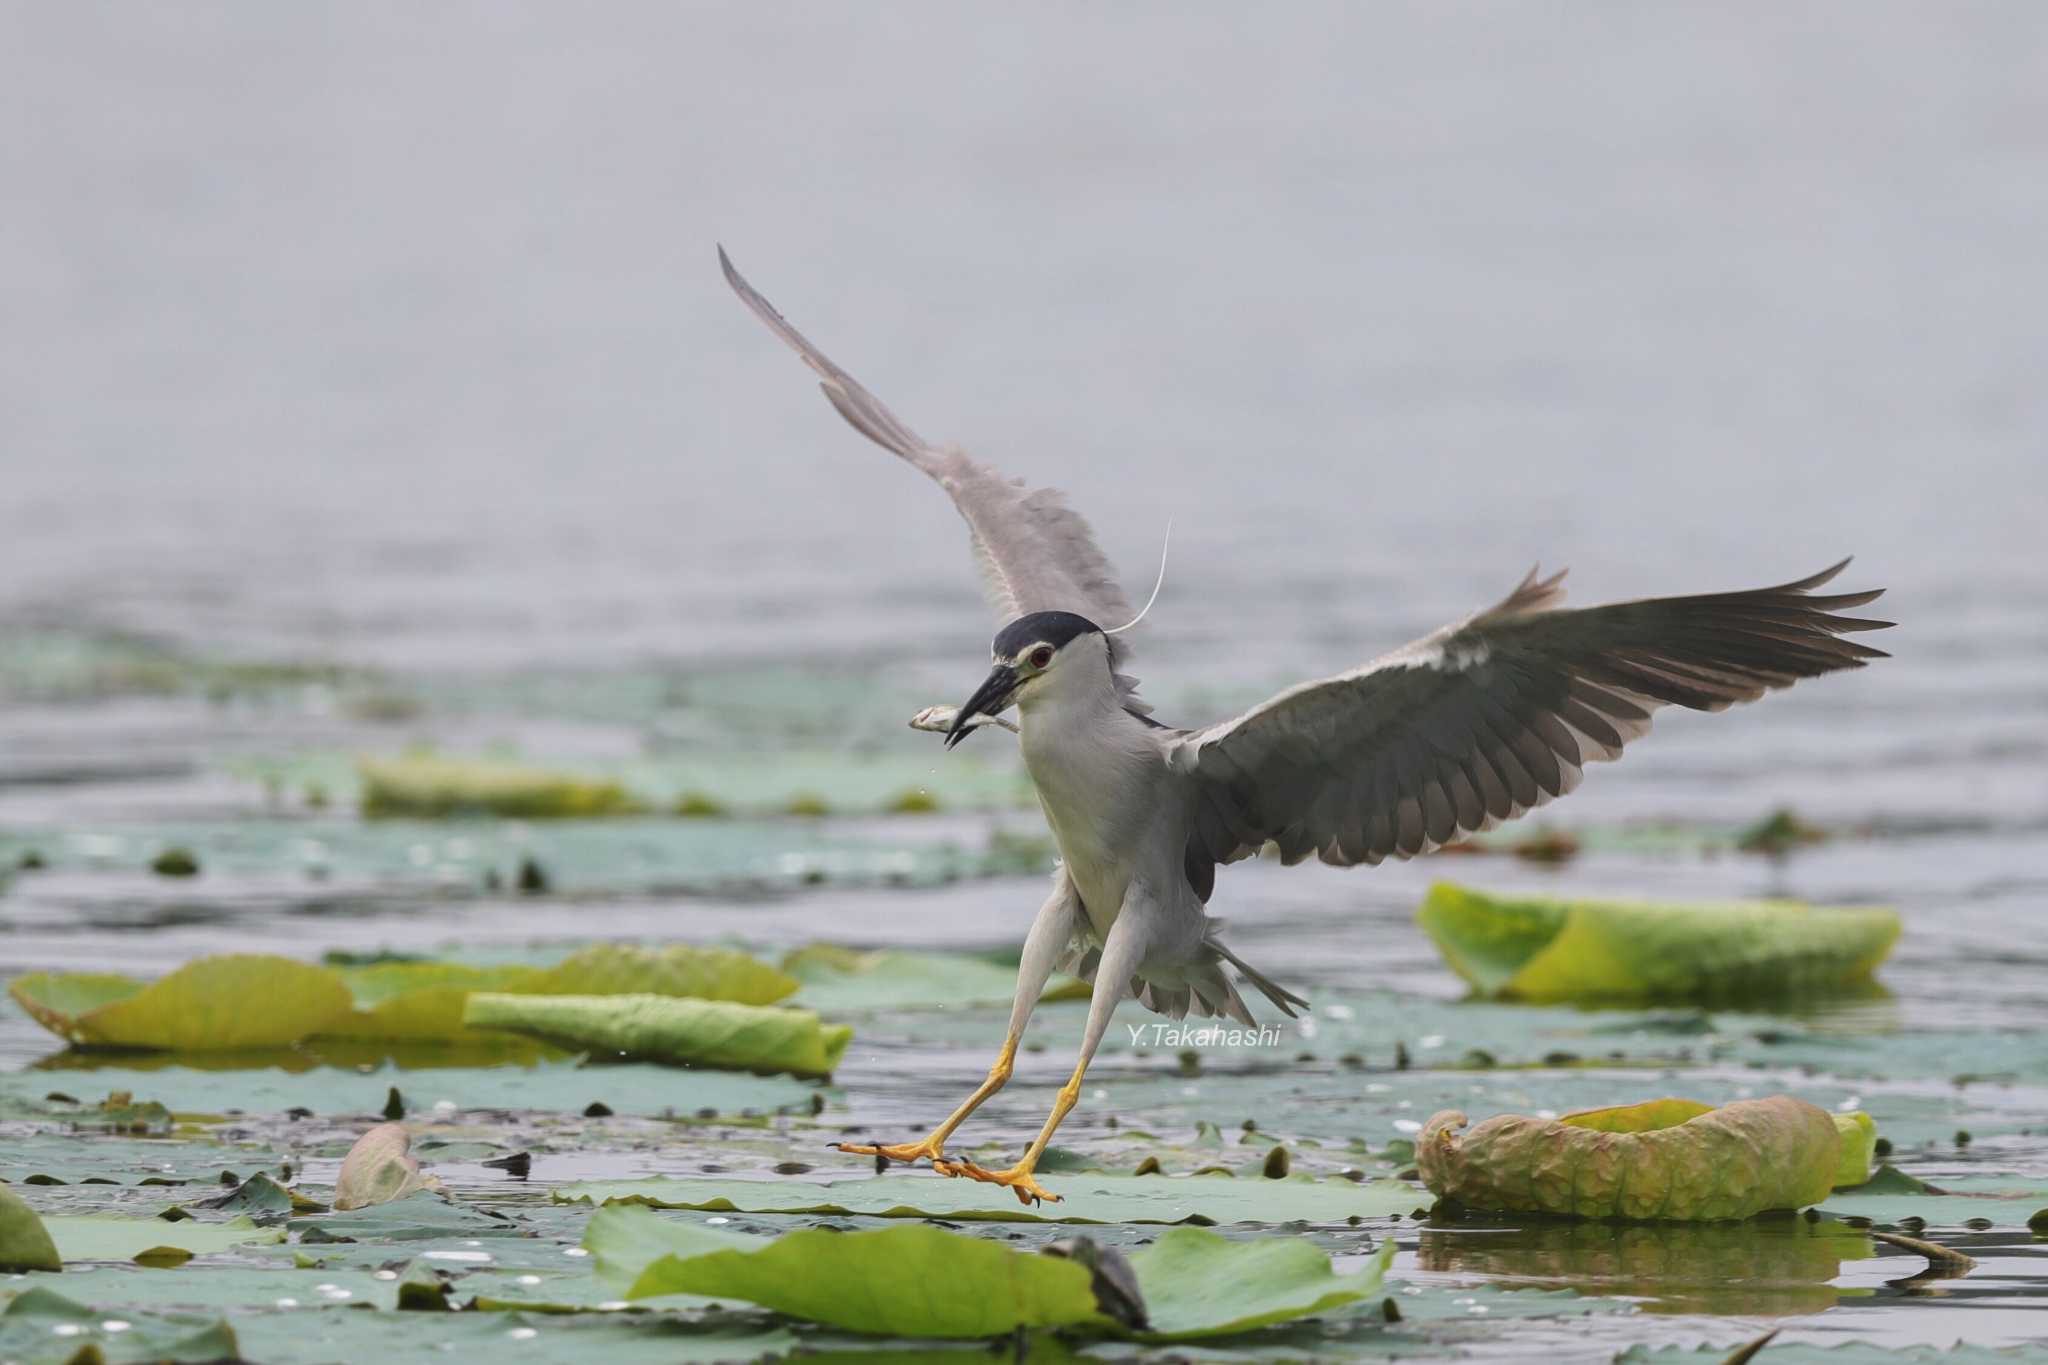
109	1237
1534	948
919	1280
235	1001
696	973
656	1028
1198	1283
24	1242
427	786
836	978
911	1281
1085	1197
419	999
1664	1159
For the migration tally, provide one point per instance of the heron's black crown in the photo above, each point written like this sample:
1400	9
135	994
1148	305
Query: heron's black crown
1054	628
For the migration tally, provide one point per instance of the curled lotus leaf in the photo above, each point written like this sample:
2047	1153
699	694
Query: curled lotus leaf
379	1168
673	1031
1662	1159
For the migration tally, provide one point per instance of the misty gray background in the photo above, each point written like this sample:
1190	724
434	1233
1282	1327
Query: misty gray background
393	334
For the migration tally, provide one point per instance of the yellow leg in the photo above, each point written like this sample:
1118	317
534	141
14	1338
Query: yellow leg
1019	1178
934	1146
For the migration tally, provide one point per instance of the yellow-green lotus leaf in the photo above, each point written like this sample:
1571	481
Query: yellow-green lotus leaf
427	786
1536	948
420	1000
698	973
1663	1159
241	1000
1859	1149
910	1281
678	1032
24	1242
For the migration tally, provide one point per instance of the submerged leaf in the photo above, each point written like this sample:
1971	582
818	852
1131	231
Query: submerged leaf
379	1168
24	1242
1534	948
656	1028
1665	1159
235	1001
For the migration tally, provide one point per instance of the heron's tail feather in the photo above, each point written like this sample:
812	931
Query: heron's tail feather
1281	997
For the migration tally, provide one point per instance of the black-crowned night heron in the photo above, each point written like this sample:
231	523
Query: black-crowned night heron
1465	728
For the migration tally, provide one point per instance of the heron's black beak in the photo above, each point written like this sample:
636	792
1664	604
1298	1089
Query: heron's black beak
989	699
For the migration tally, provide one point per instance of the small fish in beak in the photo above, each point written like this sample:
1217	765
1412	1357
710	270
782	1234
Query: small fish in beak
989	699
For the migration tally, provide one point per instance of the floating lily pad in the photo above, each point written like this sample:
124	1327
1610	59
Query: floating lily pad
1891	1197
1085	1197
106	1237
39	1318
1535	948
1675	1159
676	1032
421	1215
240	1000
557	1085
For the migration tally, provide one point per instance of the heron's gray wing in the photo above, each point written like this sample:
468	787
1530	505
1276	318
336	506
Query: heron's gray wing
1036	553
1491	717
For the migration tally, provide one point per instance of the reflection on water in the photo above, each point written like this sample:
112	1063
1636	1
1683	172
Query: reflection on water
1764	1267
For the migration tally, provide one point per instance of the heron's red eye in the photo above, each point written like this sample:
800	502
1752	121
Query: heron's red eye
1041	656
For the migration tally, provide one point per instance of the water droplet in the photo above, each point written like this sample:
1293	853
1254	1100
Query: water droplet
720	1219
574	1251
67	1329
529	1279
522	1334
115	1325
287	1303
1407	1126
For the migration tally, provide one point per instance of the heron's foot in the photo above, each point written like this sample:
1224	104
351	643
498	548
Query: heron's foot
1018	1179
932	1148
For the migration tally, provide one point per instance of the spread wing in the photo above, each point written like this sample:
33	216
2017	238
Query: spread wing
1036	553
1491	717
